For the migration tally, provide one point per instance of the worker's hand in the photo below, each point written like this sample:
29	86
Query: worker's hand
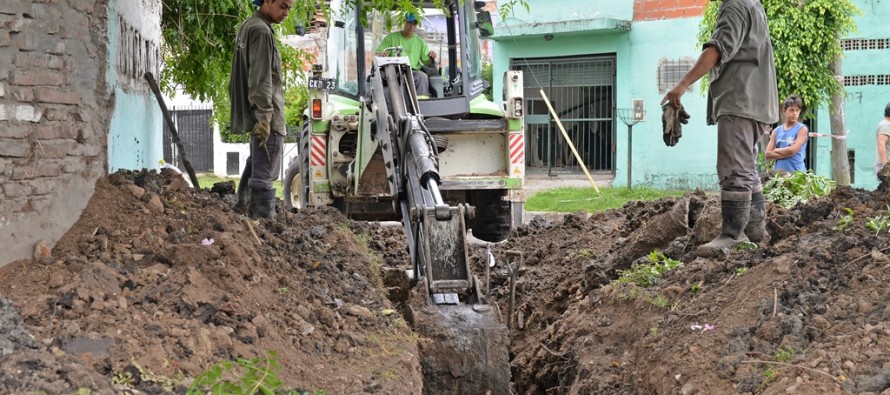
261	129
673	96
432	55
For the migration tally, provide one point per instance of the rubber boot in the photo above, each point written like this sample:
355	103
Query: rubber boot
756	229
262	203
735	210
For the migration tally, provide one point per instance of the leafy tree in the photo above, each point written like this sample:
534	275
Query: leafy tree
198	41
806	38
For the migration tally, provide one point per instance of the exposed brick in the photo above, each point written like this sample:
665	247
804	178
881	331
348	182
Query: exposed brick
23	94
48	22
86	150
55	132
37	77
50	95
19	25
41	60
42	186
2	90
57	114
5	40
15	148
55	148
83	115
31	41
28	113
49	169
73	165
16	189
76	30
14	131
85	6
16	7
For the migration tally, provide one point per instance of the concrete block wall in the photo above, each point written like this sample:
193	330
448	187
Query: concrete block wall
54	111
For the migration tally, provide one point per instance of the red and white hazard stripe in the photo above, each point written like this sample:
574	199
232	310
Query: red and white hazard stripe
317	151
517	148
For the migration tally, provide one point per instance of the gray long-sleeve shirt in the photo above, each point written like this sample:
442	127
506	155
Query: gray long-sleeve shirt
743	83
255	85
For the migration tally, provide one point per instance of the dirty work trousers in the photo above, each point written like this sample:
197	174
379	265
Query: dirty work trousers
737	154
265	166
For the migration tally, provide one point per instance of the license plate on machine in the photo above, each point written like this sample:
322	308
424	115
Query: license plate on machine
322	84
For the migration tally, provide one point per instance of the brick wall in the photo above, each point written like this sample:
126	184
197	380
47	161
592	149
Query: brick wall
645	10
54	114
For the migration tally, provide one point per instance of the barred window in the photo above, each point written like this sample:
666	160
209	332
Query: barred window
859	80
671	71
860	44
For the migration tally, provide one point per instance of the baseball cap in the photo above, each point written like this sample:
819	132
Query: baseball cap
410	17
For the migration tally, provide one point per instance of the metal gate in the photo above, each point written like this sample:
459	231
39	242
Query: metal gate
196	133
581	90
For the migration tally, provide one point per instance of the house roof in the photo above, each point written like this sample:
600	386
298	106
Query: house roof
515	27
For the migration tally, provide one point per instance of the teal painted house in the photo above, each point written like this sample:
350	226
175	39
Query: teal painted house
602	63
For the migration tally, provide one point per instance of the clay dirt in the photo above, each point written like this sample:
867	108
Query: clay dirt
157	283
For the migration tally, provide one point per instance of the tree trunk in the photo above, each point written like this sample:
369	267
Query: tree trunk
840	165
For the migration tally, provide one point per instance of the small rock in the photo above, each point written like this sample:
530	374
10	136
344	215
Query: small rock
863	306
42	250
154	204
849	365
359	311
136	190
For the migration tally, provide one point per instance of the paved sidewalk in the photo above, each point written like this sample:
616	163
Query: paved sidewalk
539	182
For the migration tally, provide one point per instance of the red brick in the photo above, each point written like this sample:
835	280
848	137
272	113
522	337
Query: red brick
25	95
45	61
55	132
55	148
57	114
50	95
14	131
37	77
16	189
15	149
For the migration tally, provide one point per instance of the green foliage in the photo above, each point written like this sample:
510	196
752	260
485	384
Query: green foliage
844	220
879	223
487	75
806	38
789	189
741	271
745	246
784	355
241	377
197	46
506	8
647	274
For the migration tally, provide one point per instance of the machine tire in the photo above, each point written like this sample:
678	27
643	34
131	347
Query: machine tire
494	219
296	179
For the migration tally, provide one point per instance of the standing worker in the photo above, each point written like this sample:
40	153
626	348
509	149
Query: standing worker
883	136
256	93
742	102
788	142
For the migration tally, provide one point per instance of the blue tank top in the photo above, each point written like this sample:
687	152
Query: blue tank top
784	138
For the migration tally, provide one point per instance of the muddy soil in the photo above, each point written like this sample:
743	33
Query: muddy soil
156	283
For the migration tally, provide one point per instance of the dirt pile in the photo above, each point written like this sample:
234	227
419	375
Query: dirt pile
156	283
807	314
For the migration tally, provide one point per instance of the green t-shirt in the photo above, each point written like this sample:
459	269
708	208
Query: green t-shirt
416	50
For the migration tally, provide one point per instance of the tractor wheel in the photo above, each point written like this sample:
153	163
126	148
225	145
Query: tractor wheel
296	179
493	215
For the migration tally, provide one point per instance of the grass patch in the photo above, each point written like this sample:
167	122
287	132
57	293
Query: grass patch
206	180
569	200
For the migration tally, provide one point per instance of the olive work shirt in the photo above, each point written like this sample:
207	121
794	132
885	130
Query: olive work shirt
255	85
743	83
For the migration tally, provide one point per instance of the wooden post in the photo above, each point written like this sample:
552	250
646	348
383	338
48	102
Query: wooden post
569	141
188	165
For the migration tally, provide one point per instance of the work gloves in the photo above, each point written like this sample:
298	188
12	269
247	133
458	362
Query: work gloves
262	128
672	121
